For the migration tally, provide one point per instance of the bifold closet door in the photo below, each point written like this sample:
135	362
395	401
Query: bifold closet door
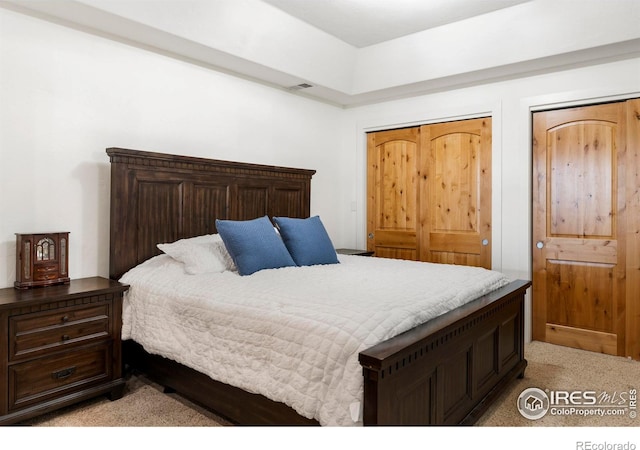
429	193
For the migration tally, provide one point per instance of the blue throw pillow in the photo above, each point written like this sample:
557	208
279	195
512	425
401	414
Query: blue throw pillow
253	245
307	240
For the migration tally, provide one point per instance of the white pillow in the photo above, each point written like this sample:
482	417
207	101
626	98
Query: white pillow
200	254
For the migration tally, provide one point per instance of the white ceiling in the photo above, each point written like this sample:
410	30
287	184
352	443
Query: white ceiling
355	52
362	23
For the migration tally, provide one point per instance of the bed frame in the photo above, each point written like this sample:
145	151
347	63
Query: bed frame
446	371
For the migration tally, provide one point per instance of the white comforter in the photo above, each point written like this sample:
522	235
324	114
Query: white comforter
291	334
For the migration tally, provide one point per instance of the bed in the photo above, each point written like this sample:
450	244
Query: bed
444	370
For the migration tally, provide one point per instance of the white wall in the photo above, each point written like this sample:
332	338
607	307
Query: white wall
539	33
510	103
66	96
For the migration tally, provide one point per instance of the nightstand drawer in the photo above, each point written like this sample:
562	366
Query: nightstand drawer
33	334
36	380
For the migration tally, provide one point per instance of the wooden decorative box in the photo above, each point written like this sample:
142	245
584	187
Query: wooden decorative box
42	259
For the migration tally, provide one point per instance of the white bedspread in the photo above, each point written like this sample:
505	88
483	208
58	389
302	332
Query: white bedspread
291	334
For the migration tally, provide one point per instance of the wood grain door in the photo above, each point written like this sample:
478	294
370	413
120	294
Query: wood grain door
457	215
579	227
394	166
429	193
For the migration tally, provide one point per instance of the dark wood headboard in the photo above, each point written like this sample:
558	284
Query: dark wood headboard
157	197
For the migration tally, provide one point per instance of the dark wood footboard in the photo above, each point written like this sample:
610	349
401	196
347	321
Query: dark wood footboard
449	370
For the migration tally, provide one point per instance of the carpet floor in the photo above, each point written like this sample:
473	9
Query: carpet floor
551	368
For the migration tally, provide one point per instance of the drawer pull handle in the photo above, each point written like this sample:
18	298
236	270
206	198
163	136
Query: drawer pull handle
65	337
64	373
65	319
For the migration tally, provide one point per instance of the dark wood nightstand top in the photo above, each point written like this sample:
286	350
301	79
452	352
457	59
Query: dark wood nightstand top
77	287
353	251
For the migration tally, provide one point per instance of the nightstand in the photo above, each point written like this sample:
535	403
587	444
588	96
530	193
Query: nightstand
351	251
59	345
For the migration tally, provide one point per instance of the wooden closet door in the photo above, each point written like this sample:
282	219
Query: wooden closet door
457	213
394	166
429	193
579	227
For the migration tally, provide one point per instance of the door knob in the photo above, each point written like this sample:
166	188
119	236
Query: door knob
370	235
539	244
485	242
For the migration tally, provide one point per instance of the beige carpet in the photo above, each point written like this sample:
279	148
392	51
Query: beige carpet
550	367
556	368
143	405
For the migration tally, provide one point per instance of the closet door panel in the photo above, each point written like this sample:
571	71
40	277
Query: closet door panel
393	209
458	182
